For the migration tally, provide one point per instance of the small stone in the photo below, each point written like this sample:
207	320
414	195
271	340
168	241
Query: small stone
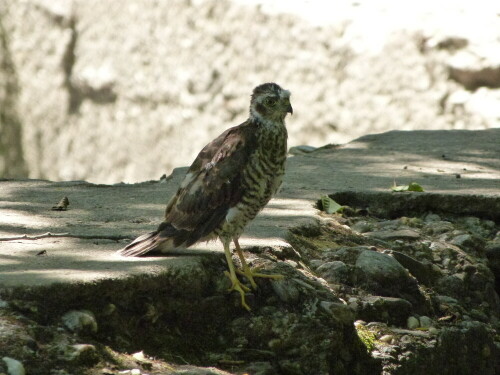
135	371
359	323
403	234
334	272
412	323
109	309
486	352
84	354
381	267
425	321
384	309
80	321
286	290
446	299
451	285
342	313
438	227
433	330
139	356
462	240
432	217
301	149
14	367
362	226
387	339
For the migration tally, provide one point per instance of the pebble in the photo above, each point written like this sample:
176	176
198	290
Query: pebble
425	321
80	321
432	217
433	330
362	227
462	240
412	322
287	290
81	353
438	227
381	267
301	149
387	339
334	272
14	367
403	234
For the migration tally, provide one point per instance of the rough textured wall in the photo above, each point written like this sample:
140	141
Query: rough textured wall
115	91
11	150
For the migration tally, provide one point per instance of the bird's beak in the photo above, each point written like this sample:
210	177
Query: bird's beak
289	109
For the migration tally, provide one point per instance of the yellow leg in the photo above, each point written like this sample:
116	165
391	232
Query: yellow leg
236	284
247	272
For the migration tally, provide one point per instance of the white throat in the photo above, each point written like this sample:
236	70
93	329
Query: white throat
266	122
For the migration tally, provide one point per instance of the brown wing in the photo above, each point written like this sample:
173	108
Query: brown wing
211	186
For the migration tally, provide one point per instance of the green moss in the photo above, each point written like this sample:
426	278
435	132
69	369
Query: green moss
366	336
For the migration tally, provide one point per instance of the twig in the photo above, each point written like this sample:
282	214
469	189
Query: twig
49	234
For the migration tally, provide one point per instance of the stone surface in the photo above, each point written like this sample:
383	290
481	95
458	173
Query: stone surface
412	322
381	268
390	310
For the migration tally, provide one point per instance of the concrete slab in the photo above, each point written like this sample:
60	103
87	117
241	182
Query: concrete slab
101	218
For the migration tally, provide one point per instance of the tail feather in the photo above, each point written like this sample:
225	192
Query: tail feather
142	245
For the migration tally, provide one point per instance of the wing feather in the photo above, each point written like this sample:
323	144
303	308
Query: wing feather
212	184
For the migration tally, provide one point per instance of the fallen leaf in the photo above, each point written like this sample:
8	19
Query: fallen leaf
329	205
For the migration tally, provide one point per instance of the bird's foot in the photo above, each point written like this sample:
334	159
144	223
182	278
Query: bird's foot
239	287
250	274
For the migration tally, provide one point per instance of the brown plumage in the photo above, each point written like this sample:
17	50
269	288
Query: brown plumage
230	181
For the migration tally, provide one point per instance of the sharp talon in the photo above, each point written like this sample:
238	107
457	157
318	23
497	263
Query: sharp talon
249	274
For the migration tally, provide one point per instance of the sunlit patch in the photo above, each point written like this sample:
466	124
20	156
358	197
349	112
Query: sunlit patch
15	218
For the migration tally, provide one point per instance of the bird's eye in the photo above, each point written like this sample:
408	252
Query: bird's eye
271	101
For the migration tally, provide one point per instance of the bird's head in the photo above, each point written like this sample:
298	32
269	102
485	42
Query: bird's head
270	102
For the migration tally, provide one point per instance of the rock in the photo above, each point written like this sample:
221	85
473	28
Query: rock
287	290
447	42
389	310
469	346
473	70
362	226
193	370
438	227
425	321
14	367
446	299
385	276
451	286
381	268
430	217
387	339
340	312
424	273
492	249
334	272
412	323
80	321
462	240
259	368
81	354
302	149
387	235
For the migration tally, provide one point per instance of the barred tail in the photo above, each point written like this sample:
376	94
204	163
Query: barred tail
141	245
159	240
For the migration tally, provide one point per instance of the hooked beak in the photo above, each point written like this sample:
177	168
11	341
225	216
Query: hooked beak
289	108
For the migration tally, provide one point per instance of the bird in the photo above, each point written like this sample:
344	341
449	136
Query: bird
228	184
